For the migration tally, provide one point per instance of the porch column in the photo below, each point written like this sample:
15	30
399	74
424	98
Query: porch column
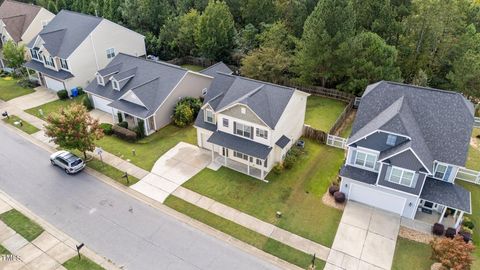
225	156
459	219
443	214
261	173
213	155
248	166
455	215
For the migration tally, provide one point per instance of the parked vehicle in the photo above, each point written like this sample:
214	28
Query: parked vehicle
69	162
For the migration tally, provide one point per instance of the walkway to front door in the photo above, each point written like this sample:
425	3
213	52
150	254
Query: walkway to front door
365	239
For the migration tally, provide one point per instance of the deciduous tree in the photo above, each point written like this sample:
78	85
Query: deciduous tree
453	253
13	54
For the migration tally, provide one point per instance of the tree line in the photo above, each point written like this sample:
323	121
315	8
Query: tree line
343	44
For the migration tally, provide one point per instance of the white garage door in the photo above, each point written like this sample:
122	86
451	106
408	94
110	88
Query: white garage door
102	104
377	198
206	144
54	84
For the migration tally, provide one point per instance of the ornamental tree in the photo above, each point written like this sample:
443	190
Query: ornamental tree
13	54
453	253
74	128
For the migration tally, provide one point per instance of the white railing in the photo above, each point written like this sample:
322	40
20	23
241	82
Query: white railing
477	122
336	141
468	175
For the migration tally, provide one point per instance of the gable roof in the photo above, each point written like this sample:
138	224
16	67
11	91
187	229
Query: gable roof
214	69
268	101
17	17
438	122
150	81
66	32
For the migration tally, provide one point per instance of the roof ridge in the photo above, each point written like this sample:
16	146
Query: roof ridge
81	14
163	63
424	87
53	31
11	17
23	3
142	84
262	82
242	97
214	65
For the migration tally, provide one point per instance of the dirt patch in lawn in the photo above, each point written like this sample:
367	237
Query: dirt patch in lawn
416	236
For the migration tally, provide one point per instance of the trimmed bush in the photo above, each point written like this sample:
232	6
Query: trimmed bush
80	91
62	94
120	117
467	236
467	222
339	197
123	124
450	232
124	133
186	110
87	103
107	128
291	157
332	189
278	168
438	229
140	129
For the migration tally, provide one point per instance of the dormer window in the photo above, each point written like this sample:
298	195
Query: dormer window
391	140
209	116
35	54
49	61
64	64
100	80
115	85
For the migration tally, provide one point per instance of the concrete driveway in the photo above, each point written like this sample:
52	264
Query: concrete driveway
41	96
173	169
102	116
365	239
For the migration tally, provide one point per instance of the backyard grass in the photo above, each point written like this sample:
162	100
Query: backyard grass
296	193
473	160
81	264
412	255
475	190
21	224
193	67
4	251
248	236
54	106
9	89
26	127
323	112
149	149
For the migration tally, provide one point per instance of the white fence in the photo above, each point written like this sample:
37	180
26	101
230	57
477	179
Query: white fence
336	141
468	175
477	122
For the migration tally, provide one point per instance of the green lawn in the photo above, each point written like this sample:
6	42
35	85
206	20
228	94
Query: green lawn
323	112
149	149
26	127
475	190
193	67
9	89
248	236
21	224
4	251
111	172
296	193
412	255
54	106
473	160
81	264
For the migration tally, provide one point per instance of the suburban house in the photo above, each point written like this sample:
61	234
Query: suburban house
73	46
21	22
249	125
141	89
406	147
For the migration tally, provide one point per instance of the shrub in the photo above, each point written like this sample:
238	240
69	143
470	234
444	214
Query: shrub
467	236
26	83
107	128
194	103
62	94
332	189
182	115
140	129
120	117
450	232
291	157
453	253
124	133
87	103
123	124
339	197
80	91
467	222
278	168
438	229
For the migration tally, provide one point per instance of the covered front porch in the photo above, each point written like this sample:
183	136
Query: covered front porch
134	121
238	166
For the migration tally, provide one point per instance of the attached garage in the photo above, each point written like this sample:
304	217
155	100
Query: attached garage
102	104
377	198
54	84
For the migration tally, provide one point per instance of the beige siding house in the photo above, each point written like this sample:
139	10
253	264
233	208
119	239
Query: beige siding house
73	46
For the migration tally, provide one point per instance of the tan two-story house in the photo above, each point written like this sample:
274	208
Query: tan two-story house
73	46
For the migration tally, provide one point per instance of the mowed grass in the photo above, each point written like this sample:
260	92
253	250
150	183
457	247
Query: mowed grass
25	127
4	251
246	235
296	193
322	112
9	89
81	264
111	172
21	224
412	255
193	67
53	107
149	149
475	190
473	160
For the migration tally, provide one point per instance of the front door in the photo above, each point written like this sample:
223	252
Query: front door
224	152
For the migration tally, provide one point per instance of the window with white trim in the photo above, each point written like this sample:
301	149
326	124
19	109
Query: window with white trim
240	155
110	53
243	130
100	80
259	161
442	171
35	54
49	61
115	85
209	117
262	133
365	159
225	122
401	176
391	140
64	64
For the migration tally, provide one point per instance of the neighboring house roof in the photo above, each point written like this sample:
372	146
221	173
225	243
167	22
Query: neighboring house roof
17	17
438	122
367	177
268	101
283	141
61	74
66	32
446	193
150	81
239	144
214	69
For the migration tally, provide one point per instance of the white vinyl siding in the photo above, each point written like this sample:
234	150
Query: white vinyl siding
401	176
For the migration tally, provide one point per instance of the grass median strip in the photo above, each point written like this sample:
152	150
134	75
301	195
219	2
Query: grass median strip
4	251
248	236
81	264
21	224
111	172
25	127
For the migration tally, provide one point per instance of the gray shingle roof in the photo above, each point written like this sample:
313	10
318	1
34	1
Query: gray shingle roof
439	122
239	144
152	83
448	194
283	141
202	124
214	69
17	17
66	32
358	174
61	75
267	100
109	70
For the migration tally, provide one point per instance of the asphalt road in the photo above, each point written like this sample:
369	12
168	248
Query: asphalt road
98	215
